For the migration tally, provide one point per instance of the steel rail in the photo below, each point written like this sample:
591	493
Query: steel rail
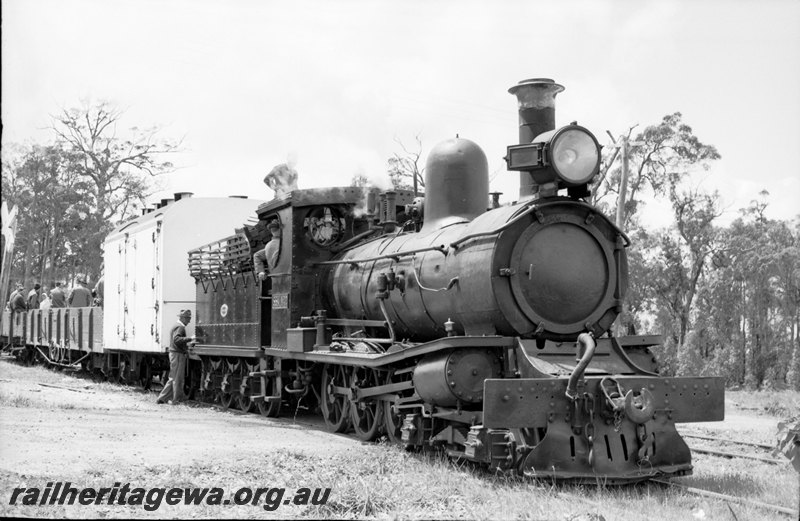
727	440
726	497
735	455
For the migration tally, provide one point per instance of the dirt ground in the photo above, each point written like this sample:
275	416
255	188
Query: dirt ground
58	427
78	424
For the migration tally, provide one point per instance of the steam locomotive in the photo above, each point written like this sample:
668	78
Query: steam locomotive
439	322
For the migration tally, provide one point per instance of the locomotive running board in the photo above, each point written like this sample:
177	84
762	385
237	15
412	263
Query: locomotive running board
381	359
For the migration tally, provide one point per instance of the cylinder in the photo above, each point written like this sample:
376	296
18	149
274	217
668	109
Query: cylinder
536	103
449	377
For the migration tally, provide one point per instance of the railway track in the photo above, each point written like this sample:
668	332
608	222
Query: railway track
728	498
731	455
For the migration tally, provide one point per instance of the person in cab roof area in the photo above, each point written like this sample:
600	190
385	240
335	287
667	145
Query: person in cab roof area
266	259
282	179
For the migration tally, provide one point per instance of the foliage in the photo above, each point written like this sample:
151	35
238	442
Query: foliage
749	302
660	157
359	180
73	191
668	264
117	167
726	298
42	182
404	167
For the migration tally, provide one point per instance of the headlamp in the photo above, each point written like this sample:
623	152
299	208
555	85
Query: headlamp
570	154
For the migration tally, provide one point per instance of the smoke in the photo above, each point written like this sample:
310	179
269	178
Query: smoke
291	159
368	203
372	185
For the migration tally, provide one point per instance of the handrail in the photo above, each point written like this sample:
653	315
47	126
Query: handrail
395	256
533	207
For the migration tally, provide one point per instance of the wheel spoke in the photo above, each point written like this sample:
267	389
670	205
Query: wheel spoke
367	415
392	418
334	407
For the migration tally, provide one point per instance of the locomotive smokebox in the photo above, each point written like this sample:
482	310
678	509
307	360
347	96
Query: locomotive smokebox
536	102
456	183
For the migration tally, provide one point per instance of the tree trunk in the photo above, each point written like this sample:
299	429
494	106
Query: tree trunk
27	264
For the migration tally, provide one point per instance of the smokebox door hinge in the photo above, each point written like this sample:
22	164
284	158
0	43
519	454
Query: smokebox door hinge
507	272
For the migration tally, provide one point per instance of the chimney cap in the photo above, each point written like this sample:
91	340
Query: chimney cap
535	82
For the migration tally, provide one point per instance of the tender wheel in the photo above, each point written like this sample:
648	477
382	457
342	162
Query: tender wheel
270	409
244	403
122	375
225	400
334	402
243	400
145	379
28	356
366	415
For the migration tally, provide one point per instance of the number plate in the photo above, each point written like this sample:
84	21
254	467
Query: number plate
280	301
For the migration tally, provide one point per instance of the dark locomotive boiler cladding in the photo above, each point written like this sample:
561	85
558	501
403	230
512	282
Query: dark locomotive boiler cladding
545	269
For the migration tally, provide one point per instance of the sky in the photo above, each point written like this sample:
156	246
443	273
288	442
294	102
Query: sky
338	84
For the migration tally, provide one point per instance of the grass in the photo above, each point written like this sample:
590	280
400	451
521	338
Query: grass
13	399
384	482
781	404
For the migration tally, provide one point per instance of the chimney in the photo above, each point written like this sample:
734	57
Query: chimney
165	202
536	103
182	195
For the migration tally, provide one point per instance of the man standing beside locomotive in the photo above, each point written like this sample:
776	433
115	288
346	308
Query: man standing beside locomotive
178	354
265	260
80	296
